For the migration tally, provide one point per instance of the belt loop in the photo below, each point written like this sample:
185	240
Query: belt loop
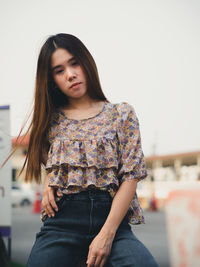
90	194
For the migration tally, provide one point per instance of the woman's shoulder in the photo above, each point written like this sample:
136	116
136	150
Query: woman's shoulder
124	108
125	105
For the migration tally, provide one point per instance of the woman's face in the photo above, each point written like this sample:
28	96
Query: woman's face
66	71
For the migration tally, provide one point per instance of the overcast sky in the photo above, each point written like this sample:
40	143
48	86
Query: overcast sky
147	54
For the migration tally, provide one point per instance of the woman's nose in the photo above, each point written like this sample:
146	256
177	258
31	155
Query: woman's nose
70	74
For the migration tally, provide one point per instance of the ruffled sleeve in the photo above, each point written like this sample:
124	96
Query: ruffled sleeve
131	158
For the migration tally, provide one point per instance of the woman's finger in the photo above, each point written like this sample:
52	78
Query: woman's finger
52	199
49	210
98	261
46	205
91	261
59	193
102	263
91	258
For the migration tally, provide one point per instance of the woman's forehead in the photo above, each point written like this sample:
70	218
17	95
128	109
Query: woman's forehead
61	56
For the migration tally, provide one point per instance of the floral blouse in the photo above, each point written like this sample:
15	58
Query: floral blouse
98	152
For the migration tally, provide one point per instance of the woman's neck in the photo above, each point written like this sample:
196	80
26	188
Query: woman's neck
81	104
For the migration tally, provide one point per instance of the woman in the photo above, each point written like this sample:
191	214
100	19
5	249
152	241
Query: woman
91	150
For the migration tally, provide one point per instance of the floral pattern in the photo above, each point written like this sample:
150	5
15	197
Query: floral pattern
98	152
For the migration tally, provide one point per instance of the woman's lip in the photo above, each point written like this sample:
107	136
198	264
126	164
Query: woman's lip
75	86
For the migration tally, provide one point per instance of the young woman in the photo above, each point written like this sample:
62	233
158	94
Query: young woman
92	153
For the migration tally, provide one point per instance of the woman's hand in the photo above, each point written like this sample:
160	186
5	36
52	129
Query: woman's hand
99	250
48	199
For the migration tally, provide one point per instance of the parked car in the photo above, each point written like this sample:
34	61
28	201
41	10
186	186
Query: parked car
22	196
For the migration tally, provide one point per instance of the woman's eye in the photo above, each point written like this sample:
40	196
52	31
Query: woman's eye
75	63
59	71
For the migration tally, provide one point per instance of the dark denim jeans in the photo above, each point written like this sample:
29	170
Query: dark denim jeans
64	240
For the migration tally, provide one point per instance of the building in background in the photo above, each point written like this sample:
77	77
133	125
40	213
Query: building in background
167	173
18	159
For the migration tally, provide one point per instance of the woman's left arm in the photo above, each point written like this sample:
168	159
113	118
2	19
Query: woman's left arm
131	169
102	243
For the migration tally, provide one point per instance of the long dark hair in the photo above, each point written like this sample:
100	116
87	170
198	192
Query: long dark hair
47	98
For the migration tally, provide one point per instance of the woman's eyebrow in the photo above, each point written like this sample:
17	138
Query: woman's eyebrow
58	66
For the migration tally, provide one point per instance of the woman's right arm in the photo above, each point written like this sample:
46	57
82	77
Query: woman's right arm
48	199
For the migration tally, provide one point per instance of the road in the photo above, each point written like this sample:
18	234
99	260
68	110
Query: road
25	225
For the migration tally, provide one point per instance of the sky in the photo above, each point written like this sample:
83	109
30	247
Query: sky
147	54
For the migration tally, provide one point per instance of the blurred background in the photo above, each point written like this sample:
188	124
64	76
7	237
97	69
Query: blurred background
147	54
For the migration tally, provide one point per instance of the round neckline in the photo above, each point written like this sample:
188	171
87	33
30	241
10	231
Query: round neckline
62	112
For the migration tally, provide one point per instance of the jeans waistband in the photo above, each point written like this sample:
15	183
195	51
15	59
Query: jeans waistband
89	194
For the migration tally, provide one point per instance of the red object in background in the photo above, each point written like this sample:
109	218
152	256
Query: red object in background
153	205
37	203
